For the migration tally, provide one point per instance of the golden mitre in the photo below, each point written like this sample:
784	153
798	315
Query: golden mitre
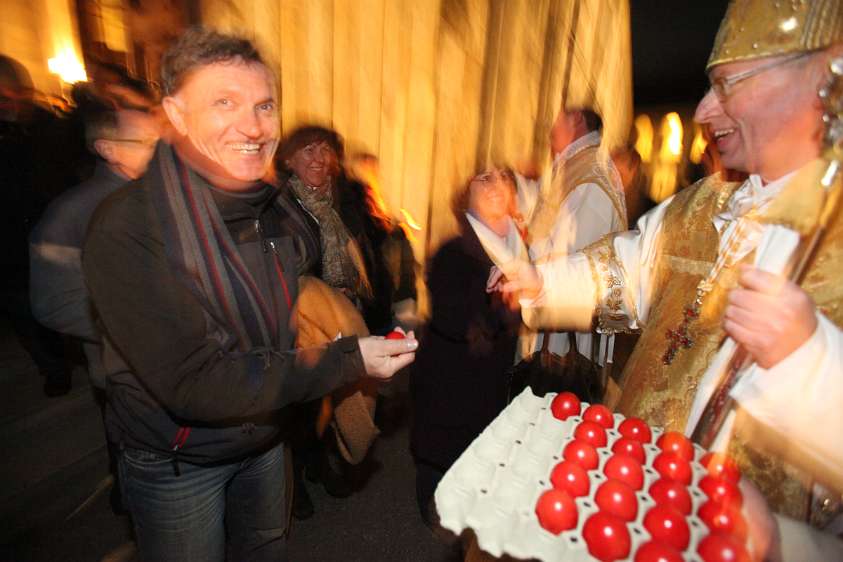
763	28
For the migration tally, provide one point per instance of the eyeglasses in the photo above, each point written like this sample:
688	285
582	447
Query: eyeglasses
146	143
722	86
492	175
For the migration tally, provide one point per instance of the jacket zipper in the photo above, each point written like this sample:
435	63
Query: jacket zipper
178	442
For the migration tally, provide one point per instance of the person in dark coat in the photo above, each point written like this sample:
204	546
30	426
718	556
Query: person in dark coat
458	383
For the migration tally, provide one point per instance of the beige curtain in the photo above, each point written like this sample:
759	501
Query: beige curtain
438	88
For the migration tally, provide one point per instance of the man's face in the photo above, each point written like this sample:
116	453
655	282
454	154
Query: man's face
314	163
133	145
563	131
228	112
768	124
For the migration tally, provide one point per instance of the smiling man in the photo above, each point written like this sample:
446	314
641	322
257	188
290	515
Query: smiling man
690	274
193	273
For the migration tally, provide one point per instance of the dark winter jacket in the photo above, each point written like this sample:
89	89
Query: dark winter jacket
165	372
458	382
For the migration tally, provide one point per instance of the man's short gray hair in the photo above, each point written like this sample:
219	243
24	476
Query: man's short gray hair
200	46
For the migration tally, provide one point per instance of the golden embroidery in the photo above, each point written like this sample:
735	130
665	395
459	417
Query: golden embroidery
662	394
610	287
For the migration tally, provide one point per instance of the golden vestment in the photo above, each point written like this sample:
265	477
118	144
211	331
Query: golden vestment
662	393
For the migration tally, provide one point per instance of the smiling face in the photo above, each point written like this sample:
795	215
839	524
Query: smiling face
227	116
314	163
769	124
491	196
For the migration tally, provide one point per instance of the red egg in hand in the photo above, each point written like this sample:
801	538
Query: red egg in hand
571	477
721	491
592	433
606	536
675	442
581	453
721	466
565	405
655	551
626	469
395	335
718	547
668	525
617	498
723	518
673	467
672	493
635	428
631	447
556	511
600	414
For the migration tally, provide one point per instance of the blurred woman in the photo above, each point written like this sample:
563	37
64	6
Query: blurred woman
458	385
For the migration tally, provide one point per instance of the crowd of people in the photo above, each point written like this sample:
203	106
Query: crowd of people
231	289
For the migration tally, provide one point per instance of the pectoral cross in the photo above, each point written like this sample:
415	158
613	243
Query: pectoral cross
681	337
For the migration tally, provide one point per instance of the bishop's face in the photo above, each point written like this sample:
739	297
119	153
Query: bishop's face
769	123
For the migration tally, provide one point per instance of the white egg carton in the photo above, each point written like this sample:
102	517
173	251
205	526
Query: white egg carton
493	487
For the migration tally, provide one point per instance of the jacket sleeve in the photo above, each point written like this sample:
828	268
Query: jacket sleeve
159	328
57	291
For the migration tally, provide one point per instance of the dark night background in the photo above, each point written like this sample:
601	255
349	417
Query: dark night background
671	41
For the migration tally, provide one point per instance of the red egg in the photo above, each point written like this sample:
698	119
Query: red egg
564	405
635	428
606	536
617	498
668	525
599	414
673	467
395	335
718	547
672	493
654	551
592	433
581	453
721	491
675	442
556	511
723	518
571	477
631	447
626	469
721	466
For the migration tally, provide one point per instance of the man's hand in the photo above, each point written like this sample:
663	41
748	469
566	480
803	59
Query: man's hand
382	358
769	316
523	280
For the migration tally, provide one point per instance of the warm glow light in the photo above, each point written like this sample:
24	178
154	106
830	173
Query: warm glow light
408	218
644	134
788	24
671	150
697	147
68	67
664	182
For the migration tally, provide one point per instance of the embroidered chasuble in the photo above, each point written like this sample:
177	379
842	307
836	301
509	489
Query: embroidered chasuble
584	166
661	392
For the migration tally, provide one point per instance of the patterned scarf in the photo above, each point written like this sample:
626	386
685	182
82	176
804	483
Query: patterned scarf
200	249
342	261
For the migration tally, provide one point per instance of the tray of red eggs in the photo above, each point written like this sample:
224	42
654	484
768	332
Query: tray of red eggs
553	478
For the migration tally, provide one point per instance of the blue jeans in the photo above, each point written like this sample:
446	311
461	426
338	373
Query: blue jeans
192	516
